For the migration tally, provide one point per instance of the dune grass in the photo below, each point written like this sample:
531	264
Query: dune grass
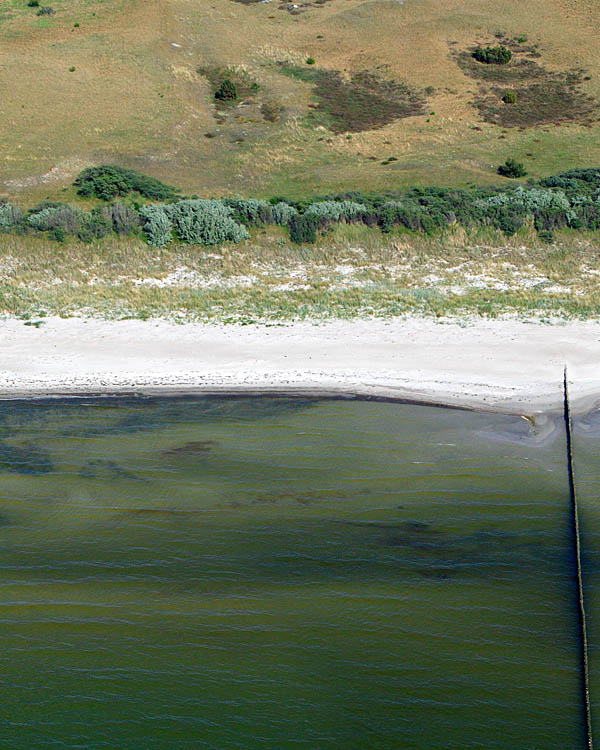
352	272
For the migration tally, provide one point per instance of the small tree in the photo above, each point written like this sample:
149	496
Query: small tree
512	168
227	91
510	97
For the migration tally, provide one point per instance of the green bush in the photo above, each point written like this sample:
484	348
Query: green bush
58	216
205	222
389	214
251	212
109	181
512	168
227	91
283	212
303	228
336	210
95	225
500	55
510	97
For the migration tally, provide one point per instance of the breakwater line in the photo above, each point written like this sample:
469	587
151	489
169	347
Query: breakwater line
585	668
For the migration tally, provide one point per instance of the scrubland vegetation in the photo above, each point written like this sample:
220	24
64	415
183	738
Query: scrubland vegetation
298	134
354	271
570	199
121	81
532	249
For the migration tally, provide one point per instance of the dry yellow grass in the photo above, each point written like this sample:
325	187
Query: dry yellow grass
135	97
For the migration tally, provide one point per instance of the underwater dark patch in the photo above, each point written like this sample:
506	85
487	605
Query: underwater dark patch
192	448
105	469
25	458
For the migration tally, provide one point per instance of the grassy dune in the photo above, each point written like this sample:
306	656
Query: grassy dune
135	96
352	272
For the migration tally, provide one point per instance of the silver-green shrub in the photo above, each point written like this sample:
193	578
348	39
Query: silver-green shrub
157	224
529	200
9	215
122	216
283	212
251	210
67	218
205	222
336	210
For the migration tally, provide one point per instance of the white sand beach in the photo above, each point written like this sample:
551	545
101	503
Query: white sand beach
500	365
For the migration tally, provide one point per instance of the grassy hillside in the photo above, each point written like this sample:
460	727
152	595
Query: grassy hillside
392	98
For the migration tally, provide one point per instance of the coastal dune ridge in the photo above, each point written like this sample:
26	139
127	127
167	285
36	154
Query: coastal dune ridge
501	365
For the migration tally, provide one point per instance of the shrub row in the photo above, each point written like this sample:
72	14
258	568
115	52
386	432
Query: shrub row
570	199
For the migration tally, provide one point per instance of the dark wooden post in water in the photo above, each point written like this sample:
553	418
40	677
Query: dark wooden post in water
585	670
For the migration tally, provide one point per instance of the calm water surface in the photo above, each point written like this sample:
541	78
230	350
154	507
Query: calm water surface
277	573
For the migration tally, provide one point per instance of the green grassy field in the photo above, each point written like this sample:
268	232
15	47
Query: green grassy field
118	81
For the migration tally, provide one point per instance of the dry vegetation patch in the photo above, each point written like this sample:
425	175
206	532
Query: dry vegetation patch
523	93
250	96
362	101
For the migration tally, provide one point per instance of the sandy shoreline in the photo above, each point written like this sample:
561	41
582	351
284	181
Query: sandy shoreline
501	365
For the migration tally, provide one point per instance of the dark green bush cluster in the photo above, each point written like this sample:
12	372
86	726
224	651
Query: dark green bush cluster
568	200
499	55
227	91
303	228
512	168
109	181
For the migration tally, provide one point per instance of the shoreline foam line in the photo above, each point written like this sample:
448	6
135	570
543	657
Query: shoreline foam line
585	671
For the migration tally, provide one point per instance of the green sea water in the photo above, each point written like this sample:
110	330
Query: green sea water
284	573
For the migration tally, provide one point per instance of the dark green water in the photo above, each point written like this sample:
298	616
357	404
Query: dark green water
274	573
587	475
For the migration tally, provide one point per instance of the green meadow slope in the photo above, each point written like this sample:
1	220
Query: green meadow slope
392	98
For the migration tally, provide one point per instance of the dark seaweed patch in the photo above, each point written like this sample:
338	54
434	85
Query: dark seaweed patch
125	416
194	448
26	458
105	469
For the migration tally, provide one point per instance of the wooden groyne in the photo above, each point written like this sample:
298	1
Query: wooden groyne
583	640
